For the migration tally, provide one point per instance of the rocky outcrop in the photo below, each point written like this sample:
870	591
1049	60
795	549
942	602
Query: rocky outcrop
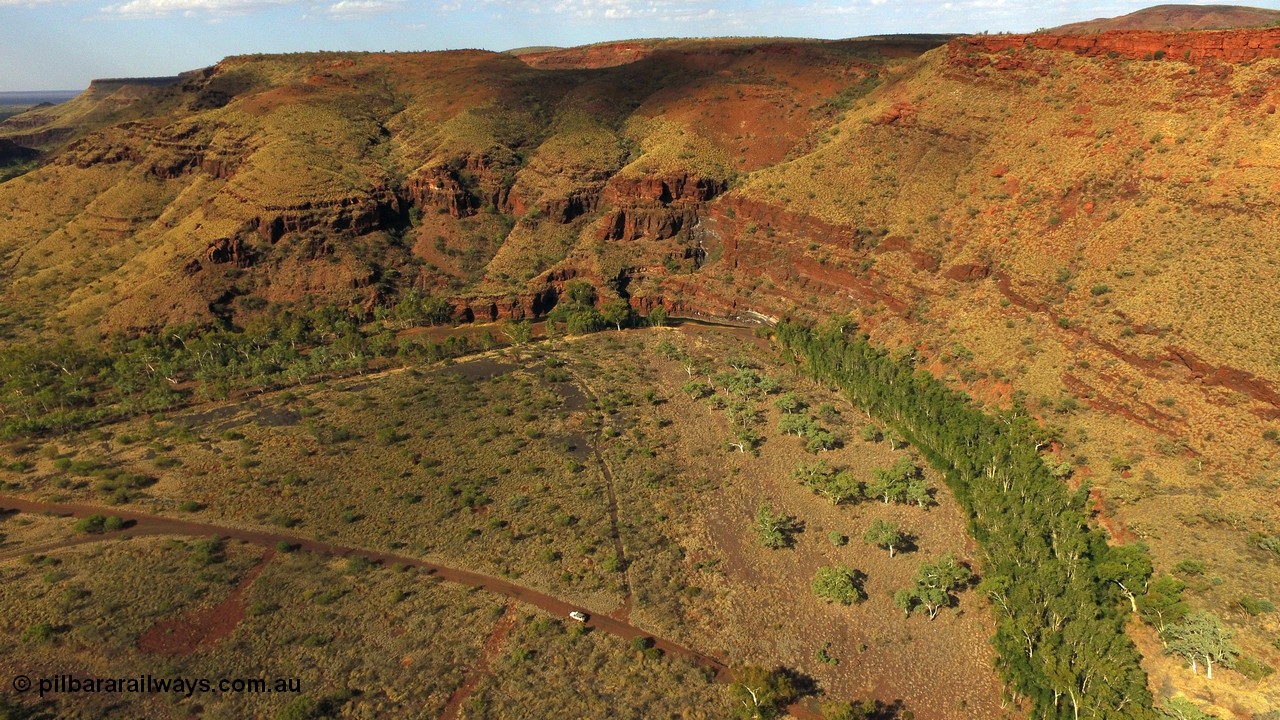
762	241
462	186
590	56
440	187
105	86
102	150
166	154
177	151
353	216
567	209
226	250
663	190
41	138
655	207
1225	45
375	208
493	309
968	272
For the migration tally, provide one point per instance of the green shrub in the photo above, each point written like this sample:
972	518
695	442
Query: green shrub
775	530
839	584
99	524
208	551
1256	606
1255	670
857	710
38	633
1188	566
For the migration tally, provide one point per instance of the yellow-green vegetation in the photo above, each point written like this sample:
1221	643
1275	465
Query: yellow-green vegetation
79	595
688	502
1085	240
494	474
330	175
579	468
548	669
669	149
388	641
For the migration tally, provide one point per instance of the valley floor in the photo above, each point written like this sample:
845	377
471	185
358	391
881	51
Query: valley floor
591	473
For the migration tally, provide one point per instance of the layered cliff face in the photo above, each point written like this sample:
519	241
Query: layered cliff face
1227	46
349	178
1085	222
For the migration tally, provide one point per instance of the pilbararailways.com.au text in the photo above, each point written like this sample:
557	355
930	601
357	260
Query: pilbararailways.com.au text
151	685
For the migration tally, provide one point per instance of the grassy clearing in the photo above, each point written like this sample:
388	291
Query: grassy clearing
492	465
699	574
490	474
548	669
384	640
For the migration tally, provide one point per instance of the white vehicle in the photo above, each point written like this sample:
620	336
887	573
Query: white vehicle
578	615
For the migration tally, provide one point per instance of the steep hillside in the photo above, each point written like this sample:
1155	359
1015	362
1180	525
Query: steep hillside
1081	225
1091	236
47	126
1178	17
352	177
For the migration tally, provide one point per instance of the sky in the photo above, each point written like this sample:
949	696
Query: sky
63	44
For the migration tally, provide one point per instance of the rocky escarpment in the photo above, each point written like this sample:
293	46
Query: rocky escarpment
655	207
793	258
175	151
566	209
1225	45
166	152
603	55
463	185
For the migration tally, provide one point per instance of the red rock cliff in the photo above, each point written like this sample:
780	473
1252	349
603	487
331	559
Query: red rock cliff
1225	45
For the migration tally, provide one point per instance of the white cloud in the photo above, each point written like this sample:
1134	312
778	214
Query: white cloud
756	16
671	10
362	8
152	8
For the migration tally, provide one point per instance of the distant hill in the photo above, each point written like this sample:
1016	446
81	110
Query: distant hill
531	49
1178	17
48	119
37	97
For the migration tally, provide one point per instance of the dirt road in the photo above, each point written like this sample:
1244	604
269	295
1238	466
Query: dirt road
144	524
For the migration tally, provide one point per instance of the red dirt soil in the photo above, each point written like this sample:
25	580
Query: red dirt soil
492	645
202	627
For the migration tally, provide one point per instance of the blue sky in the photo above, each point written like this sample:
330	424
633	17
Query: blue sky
62	44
